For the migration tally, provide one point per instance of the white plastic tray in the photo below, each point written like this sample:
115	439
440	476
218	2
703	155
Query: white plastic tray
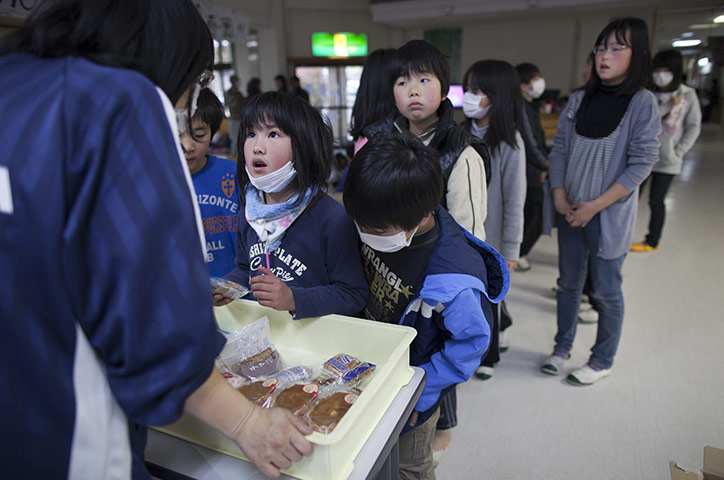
311	342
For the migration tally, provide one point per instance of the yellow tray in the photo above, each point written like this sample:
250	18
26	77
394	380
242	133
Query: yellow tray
310	342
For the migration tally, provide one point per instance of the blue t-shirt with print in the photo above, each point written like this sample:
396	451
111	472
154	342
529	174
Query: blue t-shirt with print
217	196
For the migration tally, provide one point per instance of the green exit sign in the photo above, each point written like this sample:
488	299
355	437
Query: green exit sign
339	44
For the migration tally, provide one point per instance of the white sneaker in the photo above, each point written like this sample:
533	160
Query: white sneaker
585	298
588	316
586	375
584	306
485	373
554	364
503	341
523	264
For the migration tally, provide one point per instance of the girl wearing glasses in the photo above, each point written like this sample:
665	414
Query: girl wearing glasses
606	145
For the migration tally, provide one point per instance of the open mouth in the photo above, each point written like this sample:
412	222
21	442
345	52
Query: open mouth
256	163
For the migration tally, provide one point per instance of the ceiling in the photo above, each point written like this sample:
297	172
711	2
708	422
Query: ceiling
675	19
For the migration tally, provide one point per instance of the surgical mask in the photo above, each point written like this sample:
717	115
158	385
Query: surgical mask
663	79
182	114
386	243
274	182
537	87
471	106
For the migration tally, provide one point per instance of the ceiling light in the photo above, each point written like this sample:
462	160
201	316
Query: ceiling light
685	43
719	19
703	61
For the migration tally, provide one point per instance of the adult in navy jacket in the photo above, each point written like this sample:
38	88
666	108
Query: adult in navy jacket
107	324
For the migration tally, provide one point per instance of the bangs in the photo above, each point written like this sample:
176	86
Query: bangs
619	29
420	57
265	111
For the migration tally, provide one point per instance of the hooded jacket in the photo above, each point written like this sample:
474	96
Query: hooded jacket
452	312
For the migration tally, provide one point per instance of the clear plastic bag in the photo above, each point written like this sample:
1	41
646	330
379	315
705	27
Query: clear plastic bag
249	352
350	370
297	397
227	288
330	407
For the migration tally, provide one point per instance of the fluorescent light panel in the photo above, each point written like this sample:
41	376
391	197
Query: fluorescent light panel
685	43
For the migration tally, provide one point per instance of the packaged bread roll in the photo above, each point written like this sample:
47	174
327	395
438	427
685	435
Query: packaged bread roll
327	411
297	398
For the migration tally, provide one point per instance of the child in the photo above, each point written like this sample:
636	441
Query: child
606	144
494	105
424	271
374	99
532	86
296	242
681	125
214	182
419	77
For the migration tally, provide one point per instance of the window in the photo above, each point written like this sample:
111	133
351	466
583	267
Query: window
332	89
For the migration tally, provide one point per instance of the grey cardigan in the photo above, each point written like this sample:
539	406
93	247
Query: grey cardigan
680	128
635	154
506	197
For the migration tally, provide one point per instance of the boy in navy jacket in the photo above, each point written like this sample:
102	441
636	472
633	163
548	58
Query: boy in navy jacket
424	271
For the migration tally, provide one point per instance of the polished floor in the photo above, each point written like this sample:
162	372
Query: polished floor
665	397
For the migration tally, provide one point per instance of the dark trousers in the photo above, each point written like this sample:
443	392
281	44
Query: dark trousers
659	186
448	411
501	321
532	219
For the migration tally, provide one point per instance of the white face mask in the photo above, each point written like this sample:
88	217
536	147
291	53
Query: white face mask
537	87
387	244
182	114
471	106
276	181
663	79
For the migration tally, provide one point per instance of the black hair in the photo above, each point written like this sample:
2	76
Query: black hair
499	81
418	57
638	75
253	87
310	133
165	40
393	181
283	81
672	61
527	72
209	110
374	99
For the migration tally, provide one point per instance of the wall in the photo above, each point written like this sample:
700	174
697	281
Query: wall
557	41
266	18
558	45
547	44
305	17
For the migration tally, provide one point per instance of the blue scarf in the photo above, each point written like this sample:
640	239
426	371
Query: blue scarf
270	222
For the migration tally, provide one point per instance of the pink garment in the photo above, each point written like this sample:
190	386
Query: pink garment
361	140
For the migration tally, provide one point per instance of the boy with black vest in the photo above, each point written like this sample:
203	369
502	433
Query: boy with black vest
419	77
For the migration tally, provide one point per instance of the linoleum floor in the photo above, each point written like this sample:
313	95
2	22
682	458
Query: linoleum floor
665	397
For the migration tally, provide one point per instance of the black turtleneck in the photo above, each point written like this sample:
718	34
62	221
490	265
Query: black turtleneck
600	113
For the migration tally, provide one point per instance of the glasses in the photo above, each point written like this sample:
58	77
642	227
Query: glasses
205	78
612	49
